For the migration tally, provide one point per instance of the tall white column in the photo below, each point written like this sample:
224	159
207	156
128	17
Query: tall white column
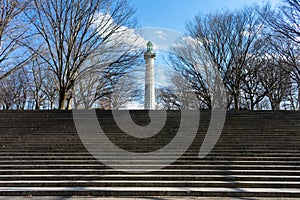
149	57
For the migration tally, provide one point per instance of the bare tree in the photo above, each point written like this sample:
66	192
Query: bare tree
267	76
126	90
167	99
253	91
50	89
288	53
277	76
91	89
279	84
12	31
187	96
179	95
37	82
191	62
95	90
75	32
290	100
13	91
287	21
228	39
286	29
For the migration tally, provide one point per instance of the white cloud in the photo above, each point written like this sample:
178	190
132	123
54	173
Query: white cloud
104	23
185	40
161	34
133	106
162	38
130	37
122	35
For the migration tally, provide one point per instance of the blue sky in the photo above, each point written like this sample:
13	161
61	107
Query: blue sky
173	14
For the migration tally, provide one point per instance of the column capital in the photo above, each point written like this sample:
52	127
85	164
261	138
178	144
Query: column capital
149	54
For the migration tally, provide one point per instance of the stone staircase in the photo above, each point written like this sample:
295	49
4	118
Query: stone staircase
257	155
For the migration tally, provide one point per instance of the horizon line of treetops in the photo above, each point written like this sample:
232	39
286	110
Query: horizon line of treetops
77	54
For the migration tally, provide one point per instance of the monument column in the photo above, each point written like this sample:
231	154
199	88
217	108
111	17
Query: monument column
149	57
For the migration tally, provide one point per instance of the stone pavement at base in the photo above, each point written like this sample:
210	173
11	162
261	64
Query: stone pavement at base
141	198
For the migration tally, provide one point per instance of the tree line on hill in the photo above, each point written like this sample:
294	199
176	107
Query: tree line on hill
255	51
74	53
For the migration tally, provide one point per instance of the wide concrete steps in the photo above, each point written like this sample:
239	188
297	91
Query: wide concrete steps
257	155
150	191
79	174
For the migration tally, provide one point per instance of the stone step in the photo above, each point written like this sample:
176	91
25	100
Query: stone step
150	191
84	154
173	166
163	155
166	172
157	177
152	162
148	183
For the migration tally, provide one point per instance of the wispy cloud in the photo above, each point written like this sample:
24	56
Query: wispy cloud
161	34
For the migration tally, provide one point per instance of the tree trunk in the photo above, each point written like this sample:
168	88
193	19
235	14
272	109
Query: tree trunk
62	100
51	105
299	97
273	106
69	103
236	101
70	100
252	105
277	106
37	104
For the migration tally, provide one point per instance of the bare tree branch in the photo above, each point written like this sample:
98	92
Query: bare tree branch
12	31
75	33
